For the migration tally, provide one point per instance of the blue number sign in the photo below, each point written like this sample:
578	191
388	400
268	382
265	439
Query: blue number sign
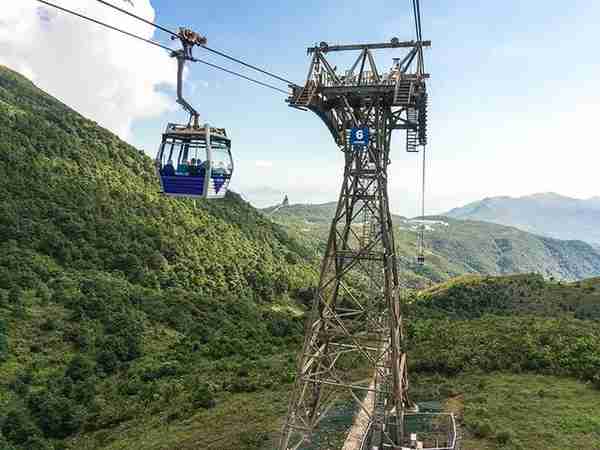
359	136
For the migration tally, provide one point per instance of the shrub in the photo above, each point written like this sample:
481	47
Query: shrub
80	335
243	385
3	341
49	324
505	437
84	391
202	397
154	371
482	428
44	294
5	445
132	386
37	443
253	440
56	415
15	296
588	312
305	295
596	381
18	426
281	327
107	361
123	346
35	348
80	368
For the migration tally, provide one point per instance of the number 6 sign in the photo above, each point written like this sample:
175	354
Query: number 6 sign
359	136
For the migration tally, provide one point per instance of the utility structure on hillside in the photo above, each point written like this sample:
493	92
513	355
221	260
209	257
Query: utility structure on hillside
350	328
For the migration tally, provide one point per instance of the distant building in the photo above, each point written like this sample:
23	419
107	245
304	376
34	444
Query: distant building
285	202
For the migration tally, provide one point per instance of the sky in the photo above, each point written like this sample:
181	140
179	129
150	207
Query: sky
514	89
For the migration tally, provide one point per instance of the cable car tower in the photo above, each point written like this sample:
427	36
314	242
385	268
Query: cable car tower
351	329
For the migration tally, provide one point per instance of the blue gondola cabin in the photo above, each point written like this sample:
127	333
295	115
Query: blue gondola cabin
194	162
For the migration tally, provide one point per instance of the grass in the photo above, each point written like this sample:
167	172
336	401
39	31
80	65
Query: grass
519	411
249	421
496	411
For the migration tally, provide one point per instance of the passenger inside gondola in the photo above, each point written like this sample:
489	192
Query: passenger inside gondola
183	168
194	168
169	170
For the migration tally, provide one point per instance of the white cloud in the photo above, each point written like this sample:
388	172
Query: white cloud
264	164
104	75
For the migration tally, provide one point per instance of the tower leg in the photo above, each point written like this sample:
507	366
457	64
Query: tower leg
354	342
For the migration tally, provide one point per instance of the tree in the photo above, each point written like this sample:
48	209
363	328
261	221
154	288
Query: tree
18	426
80	368
3	341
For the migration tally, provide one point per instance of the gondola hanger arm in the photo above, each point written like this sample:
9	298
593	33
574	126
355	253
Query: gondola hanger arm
189	39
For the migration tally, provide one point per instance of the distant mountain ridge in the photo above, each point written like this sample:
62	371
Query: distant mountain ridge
455	247
547	214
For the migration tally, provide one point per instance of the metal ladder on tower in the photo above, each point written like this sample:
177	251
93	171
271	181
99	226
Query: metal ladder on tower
412	133
422	115
403	91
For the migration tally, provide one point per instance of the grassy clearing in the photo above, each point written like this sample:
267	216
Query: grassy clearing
496	411
520	412
248	421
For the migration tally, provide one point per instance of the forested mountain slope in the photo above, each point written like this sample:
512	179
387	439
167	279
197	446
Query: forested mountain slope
547	214
455	247
117	303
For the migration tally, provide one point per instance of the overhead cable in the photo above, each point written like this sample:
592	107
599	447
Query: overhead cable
231	58
158	44
212	50
267	85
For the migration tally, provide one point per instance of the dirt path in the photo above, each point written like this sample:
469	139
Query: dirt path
361	421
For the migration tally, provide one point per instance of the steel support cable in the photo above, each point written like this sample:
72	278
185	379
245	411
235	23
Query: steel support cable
158	44
420	35
217	52
231	58
418	19
423	184
417	14
422	231
261	83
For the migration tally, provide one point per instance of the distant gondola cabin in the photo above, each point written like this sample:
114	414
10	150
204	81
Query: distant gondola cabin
194	162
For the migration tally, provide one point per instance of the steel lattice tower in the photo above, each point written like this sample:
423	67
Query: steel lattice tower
356	319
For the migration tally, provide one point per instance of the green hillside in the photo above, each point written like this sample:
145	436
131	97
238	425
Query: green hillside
133	321
473	296
116	303
456	247
517	358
